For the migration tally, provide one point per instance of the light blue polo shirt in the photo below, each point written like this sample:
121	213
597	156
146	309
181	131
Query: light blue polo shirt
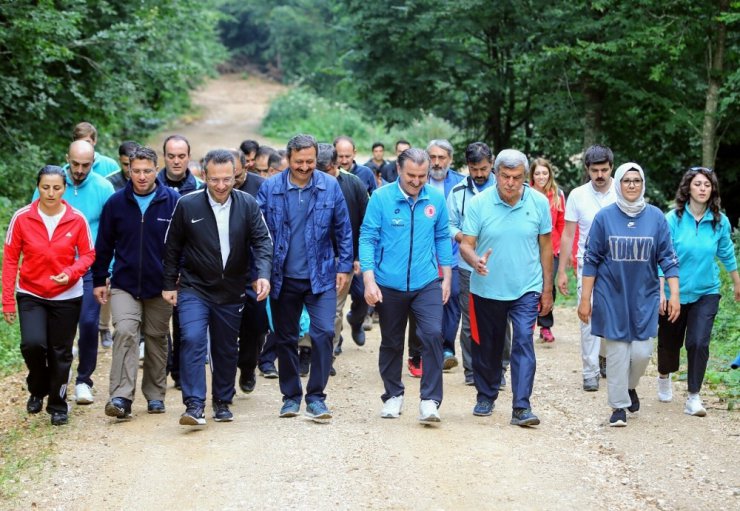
514	267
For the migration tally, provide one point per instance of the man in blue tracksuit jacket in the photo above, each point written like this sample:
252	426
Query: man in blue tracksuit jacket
303	208
404	241
136	282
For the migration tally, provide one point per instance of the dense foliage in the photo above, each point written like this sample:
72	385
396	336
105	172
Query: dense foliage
549	77
124	66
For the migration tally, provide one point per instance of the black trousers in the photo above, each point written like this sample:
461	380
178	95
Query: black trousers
694	324
48	330
252	332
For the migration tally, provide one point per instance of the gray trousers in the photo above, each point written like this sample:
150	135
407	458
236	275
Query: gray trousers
464	297
130	317
591	346
626	362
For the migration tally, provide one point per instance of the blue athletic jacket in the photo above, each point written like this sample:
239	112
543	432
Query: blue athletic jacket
327	213
136	241
403	244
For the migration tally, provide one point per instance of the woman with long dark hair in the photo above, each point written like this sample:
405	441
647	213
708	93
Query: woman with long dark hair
701	234
542	179
57	249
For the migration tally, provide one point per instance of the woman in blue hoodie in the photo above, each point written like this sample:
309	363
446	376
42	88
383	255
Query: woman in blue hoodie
701	235
627	242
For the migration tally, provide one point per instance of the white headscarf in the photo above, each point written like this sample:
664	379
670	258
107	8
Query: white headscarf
629	208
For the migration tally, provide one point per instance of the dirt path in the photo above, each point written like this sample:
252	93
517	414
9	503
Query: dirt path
662	460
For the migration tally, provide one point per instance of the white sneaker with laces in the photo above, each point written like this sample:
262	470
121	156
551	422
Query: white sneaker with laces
665	389
83	394
392	407
428	411
694	406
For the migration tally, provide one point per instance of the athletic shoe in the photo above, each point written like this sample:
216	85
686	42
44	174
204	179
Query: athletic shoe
469	380
290	408
546	335
269	371
694	406
367	323
503	380
221	412
618	418
332	371
635	406
483	408
247	382
34	404
602	366
106	339
392	407
194	414
318	412
358	334
450	361
304	361
428	411
338	349
59	419
141	351
118	407
155	406
591	384
524	417
83	394
177	383
415	369
665	389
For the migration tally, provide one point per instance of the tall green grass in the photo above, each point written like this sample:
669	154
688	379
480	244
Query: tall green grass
10	337
302	111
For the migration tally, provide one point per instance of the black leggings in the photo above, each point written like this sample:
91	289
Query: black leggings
47	334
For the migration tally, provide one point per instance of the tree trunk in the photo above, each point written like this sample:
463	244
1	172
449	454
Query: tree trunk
709	142
592	114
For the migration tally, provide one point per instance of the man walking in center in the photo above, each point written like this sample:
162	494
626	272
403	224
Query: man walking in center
583	204
135	294
303	209
213	235
404	241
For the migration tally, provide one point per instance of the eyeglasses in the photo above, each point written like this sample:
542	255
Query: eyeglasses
146	172
224	180
632	182
698	169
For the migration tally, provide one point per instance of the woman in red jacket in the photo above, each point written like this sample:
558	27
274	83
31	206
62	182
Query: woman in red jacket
57	248
542	179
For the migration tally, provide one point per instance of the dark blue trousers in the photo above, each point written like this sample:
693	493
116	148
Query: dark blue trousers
87	343
359	308
488	331
199	320
286	315
252	331
451	315
426	306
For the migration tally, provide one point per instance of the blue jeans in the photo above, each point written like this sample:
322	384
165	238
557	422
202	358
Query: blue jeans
286	315
87	343
207	328
426	306
488	327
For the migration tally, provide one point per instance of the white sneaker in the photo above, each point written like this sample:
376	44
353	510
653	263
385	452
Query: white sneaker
392	408
83	394
694	406
428	412
141	351
665	389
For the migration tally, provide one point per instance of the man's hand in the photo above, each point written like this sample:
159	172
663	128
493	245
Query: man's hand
446	290
356	268
62	279
673	309
101	294
262	288
563	283
372	294
342	281
170	297
481	266
584	310
545	303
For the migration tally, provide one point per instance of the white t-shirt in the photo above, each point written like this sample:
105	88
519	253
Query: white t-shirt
582	205
51	222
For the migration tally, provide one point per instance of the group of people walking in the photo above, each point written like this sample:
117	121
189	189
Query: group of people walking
234	269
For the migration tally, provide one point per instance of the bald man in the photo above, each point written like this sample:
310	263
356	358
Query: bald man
87	192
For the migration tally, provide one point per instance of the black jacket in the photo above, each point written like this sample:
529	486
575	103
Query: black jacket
189	183
193	238
252	184
355	194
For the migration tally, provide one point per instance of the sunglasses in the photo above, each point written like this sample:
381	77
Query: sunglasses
698	169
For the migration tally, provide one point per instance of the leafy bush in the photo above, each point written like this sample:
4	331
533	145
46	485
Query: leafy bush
303	111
